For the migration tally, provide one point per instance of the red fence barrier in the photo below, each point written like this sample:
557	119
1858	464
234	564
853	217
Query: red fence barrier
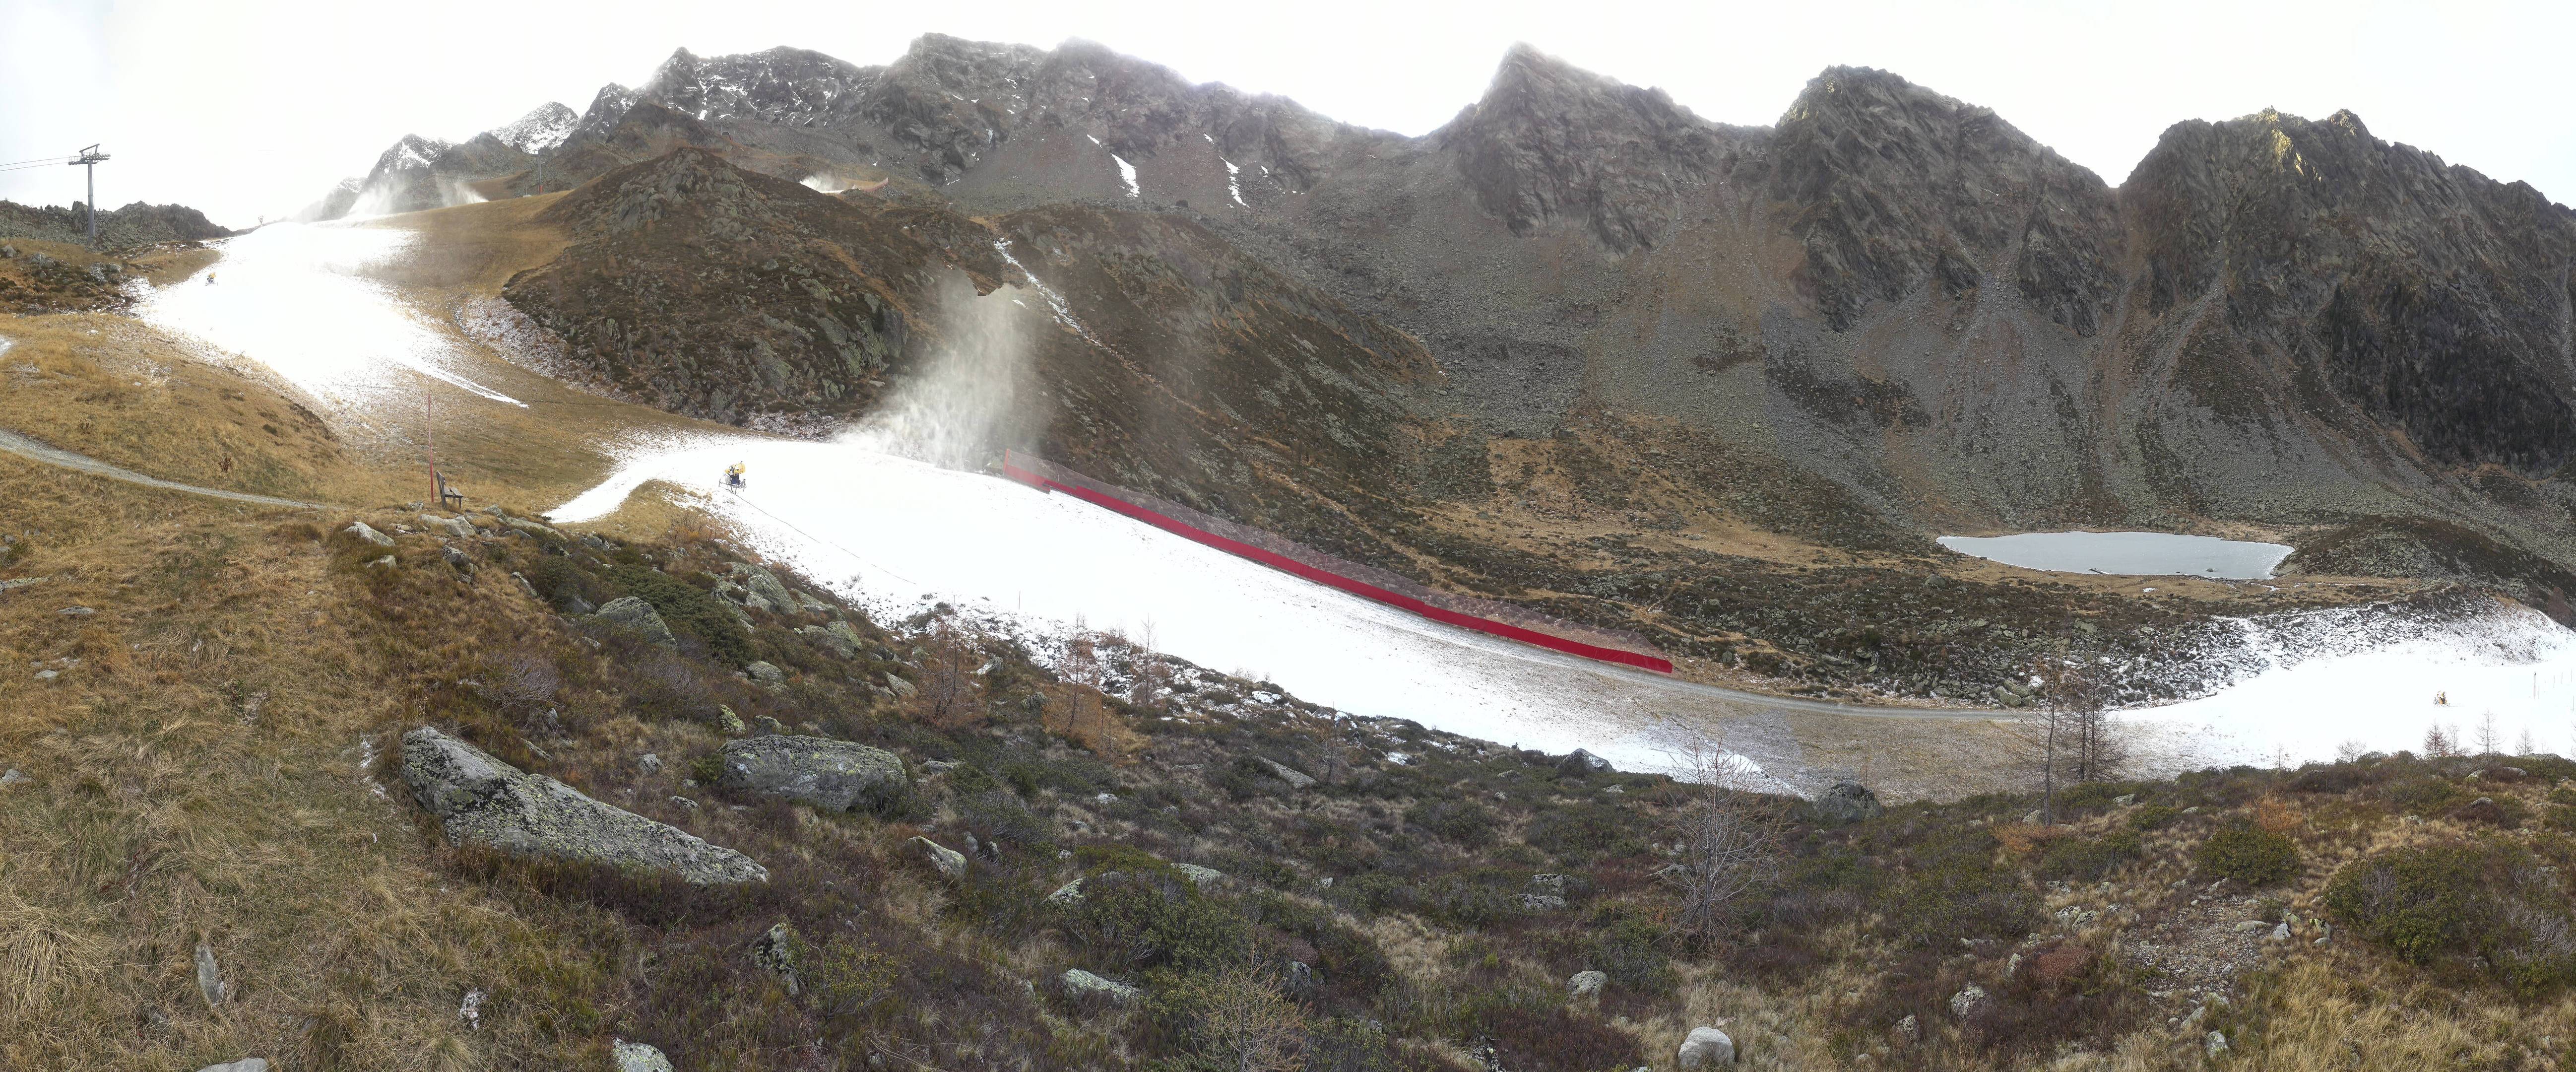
1287	556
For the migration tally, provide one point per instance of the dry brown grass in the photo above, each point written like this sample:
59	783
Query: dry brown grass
159	817
125	394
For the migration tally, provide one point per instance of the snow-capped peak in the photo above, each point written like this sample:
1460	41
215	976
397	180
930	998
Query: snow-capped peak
539	130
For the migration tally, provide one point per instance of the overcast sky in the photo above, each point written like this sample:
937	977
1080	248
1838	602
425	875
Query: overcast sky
251	108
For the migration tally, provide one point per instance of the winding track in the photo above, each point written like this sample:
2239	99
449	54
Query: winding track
29	449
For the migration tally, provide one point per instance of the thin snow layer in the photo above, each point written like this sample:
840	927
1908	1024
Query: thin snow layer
1127	174
2127	553
1233	180
289	297
1055	302
2352	680
901	534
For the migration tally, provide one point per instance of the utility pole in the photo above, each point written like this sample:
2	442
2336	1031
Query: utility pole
89	158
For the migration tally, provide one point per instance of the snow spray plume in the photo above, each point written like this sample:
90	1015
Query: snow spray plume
962	409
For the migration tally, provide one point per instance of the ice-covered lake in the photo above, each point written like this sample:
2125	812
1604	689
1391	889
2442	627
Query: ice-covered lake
2153	554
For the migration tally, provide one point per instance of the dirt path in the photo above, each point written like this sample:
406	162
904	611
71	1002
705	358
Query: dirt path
27	448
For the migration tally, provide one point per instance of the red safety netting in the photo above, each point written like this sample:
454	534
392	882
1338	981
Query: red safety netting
1278	552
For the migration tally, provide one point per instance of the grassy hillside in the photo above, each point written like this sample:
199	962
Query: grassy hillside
211	764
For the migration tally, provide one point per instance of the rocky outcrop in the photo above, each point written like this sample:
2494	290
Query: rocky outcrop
633	614
1550	141
1893	188
649	299
1845	802
828	774
2423	294
481	800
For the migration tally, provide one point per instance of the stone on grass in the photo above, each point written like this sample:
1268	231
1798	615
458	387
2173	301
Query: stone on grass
210	978
775	950
1847	802
453	526
638	1057
1911	1028
1199	876
367	532
1587	983
765	672
1966	1004
246	1064
1295	778
828	774
1070	893
632	613
764	584
950	862
1082	984
831	640
481	800
2214	1044
900	686
1707	1047
13	777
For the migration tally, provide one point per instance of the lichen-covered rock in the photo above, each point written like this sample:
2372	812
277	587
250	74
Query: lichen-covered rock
828	774
1082	984
630	612
1846	802
638	1057
364	531
948	861
1587	984
480	800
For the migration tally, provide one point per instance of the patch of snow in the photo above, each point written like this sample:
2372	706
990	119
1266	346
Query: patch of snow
293	298
901	535
2353	676
1055	301
1127	174
1233	180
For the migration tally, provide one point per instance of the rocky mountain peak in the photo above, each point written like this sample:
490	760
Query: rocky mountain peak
1549	140
541	129
1900	185
783	86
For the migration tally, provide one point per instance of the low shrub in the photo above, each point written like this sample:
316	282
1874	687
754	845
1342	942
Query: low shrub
2249	854
2426	796
2490	905
2080	860
688	611
1586	832
2153	817
1464	823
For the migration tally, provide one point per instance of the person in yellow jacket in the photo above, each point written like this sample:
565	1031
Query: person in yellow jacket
733	475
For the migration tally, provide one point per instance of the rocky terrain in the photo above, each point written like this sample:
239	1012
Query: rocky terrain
132	227
1586	346
560	800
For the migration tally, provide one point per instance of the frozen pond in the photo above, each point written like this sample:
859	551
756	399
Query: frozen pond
2153	554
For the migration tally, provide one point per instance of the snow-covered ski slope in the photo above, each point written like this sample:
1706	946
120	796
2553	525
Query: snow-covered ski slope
895	531
899	533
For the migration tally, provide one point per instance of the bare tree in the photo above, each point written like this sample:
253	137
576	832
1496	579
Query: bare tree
2524	746
1244	1022
948	681
2487	733
1729	838
2096	748
2437	744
